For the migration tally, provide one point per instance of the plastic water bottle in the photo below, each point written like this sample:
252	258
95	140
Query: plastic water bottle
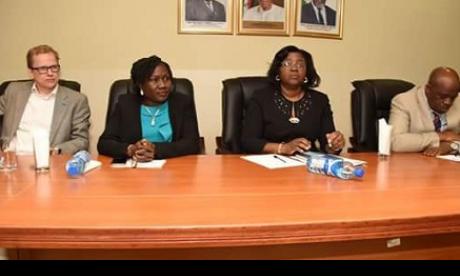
76	165
333	166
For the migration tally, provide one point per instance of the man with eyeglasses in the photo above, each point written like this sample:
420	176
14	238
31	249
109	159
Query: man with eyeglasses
41	104
427	119
317	12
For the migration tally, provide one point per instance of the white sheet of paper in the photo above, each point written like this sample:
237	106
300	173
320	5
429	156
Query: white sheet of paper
91	165
273	161
455	158
154	164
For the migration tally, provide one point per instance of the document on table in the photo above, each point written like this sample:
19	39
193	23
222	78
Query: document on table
275	161
91	165
455	158
154	164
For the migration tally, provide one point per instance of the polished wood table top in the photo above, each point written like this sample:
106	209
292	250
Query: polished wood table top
212	200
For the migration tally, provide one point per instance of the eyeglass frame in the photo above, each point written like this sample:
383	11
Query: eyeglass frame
42	70
298	65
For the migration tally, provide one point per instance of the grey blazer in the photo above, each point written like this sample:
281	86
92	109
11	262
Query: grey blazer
412	121
70	123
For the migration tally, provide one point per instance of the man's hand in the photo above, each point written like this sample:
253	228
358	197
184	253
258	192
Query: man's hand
443	149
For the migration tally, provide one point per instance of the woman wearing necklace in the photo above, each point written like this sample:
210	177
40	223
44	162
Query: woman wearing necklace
289	116
155	123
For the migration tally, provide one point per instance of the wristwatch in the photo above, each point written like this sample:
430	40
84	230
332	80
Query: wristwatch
55	151
455	146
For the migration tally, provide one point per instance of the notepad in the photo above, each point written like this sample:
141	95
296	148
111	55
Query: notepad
455	158
274	161
154	164
91	165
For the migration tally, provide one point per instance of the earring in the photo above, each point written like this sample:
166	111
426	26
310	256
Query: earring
305	80
141	92
277	78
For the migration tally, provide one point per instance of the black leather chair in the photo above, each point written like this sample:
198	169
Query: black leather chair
126	86
67	83
236	93
371	101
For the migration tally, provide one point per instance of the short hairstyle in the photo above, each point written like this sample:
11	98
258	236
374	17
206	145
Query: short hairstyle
143	68
314	79
37	50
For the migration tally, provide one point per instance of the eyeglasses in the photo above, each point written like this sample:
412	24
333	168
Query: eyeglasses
290	64
44	69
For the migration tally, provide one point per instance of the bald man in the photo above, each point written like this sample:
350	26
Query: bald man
427	119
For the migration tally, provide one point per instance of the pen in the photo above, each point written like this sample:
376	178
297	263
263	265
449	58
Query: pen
296	159
279	158
134	163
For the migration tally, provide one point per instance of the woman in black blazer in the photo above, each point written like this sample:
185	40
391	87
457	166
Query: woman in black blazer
155	123
290	116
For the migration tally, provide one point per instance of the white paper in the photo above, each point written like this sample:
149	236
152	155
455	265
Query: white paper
91	165
384	137
154	164
41	149
274	161
455	158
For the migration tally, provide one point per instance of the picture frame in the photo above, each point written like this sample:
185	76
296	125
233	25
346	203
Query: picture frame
197	17
254	20
309	23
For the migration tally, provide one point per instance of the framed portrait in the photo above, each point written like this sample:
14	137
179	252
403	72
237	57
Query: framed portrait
319	18
205	16
263	17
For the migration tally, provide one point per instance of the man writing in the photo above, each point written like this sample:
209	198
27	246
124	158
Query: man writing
317	12
427	119
42	104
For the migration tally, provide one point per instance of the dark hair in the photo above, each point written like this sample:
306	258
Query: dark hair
313	78
143	68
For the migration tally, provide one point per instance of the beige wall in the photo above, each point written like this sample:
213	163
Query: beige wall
99	39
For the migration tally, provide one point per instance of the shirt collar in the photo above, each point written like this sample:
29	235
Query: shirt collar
260	10
46	97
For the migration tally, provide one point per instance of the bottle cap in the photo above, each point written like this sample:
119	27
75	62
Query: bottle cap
73	171
359	172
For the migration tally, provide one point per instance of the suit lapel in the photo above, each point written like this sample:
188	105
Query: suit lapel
426	115
174	107
60	106
22	99
453	116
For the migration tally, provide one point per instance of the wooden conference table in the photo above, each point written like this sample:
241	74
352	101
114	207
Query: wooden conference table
222	207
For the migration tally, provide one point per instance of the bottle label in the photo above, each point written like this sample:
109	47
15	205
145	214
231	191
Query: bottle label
324	165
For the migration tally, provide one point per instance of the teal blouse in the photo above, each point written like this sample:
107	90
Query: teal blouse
156	124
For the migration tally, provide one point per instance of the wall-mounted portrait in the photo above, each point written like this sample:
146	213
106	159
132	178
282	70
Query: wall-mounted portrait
263	17
319	18
206	16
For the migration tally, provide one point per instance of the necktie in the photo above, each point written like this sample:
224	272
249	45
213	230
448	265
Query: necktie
320	17
437	122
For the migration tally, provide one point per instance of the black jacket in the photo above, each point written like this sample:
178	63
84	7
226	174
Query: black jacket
124	128
308	15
